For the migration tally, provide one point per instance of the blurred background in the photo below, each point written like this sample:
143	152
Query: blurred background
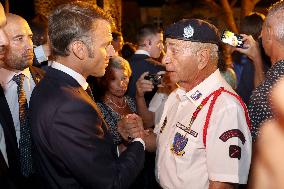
130	14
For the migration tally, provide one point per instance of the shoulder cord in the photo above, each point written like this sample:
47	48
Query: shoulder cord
211	106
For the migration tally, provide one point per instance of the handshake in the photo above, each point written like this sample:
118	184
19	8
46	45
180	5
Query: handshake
130	127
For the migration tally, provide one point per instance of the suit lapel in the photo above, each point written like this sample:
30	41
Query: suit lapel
7	124
37	74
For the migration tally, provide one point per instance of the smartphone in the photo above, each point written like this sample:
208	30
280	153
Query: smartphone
232	39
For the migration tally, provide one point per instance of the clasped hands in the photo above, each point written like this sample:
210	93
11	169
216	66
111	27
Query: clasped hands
130	127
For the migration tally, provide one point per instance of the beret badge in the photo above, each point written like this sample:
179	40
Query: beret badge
188	32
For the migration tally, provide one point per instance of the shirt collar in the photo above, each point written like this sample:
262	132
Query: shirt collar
78	77
140	51
206	87
181	94
7	75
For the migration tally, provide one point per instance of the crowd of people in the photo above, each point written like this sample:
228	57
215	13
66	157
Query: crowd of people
177	109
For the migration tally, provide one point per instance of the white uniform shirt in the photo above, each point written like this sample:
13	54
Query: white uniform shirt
225	159
10	90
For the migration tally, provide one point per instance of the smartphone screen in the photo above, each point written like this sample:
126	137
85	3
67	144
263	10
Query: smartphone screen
232	39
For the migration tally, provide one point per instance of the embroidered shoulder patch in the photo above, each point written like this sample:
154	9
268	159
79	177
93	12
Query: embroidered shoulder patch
233	133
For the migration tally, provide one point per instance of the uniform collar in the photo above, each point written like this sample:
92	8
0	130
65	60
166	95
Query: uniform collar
205	88
78	77
6	76
181	94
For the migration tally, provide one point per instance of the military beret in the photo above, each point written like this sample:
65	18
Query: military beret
193	30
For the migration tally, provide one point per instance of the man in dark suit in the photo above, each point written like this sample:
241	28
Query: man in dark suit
73	146
150	46
6	126
17	63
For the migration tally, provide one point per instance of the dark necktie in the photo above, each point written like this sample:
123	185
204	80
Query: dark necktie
25	143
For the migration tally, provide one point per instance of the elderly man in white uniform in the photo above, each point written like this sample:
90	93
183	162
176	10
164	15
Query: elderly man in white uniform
203	139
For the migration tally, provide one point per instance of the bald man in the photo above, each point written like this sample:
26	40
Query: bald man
18	78
7	178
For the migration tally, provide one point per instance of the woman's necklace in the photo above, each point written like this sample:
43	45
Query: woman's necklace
120	107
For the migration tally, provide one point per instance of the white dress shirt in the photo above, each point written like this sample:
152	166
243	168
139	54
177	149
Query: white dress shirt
10	89
140	51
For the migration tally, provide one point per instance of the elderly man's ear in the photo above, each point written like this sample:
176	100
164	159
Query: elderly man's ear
203	58
79	49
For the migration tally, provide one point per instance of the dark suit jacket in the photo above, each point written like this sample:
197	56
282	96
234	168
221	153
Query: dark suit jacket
74	148
10	176
139	64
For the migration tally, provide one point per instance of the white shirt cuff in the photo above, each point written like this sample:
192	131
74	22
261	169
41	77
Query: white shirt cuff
139	140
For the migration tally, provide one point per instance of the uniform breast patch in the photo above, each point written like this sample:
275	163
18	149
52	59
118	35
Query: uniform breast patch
179	144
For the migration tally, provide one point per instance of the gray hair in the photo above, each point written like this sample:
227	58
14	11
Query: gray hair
120	63
274	20
214	56
71	22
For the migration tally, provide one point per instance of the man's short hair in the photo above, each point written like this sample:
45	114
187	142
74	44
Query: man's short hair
145	31
70	22
39	27
116	35
252	24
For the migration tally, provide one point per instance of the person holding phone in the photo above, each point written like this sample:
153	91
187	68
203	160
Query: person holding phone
272	39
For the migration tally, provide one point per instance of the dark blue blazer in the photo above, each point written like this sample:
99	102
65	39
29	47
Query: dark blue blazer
10	176
73	146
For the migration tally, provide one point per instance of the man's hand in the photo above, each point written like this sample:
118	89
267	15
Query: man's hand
130	127
143	85
251	47
252	50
